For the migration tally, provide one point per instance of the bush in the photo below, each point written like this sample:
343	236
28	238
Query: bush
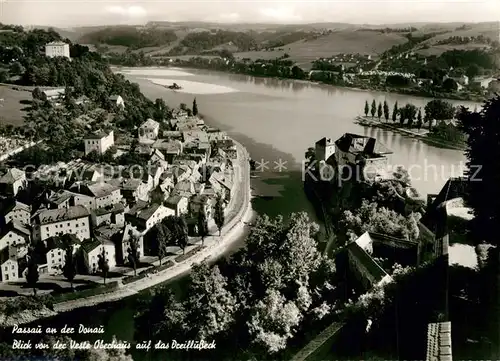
69	296
146	272
15	305
183	257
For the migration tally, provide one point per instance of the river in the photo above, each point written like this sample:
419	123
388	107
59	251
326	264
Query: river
276	120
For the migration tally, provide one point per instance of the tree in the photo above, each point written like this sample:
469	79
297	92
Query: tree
195	107
133	252
182	233
395	112
482	191
37	94
374	108
102	263
450	85
419	119
379	111
202	225
372	218
210	304
70	264
386	111
438	109
163	236
472	71
482	168
32	274
367	108
273	321
408	113
219	214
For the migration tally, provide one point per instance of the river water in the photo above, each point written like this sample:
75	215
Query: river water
276	120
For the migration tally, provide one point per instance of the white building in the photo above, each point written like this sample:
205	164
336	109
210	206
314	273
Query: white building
148	131
14	234
57	48
15	211
92	249
9	266
144	217
130	233
96	195
13	181
72	220
99	142
178	204
117	100
56	251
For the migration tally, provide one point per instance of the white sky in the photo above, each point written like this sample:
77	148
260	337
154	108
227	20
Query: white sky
67	13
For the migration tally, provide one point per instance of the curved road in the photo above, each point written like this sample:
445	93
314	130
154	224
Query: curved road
238	212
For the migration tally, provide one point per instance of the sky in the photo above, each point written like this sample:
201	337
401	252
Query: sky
71	13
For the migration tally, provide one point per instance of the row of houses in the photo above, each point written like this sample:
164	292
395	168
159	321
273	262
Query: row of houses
97	207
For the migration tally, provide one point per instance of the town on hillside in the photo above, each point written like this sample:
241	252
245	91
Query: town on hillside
82	220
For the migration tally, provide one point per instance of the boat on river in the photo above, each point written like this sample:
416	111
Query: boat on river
174	86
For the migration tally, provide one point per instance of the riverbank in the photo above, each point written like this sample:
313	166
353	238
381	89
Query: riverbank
214	247
417	92
420	135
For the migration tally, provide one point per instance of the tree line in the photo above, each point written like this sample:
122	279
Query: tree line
436	109
263	296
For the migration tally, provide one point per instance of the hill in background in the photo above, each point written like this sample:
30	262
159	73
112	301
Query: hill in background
304	43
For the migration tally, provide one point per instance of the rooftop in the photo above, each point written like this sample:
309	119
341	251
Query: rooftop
173	200
56	43
150	123
360	144
439	342
12	175
15	227
98	135
115	208
90	244
59	215
61	242
376	272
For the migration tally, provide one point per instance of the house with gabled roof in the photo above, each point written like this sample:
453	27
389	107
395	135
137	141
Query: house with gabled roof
93	248
13	234
56	251
117	100
113	214
184	189
52	222
94	195
128	234
9	267
148	131
179	204
13	181
61	199
12	210
144	216
99	142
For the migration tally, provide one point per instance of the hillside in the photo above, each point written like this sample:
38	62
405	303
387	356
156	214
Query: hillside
303	42
130	37
343	41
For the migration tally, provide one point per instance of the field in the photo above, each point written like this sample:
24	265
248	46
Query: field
439	49
344	41
11	108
